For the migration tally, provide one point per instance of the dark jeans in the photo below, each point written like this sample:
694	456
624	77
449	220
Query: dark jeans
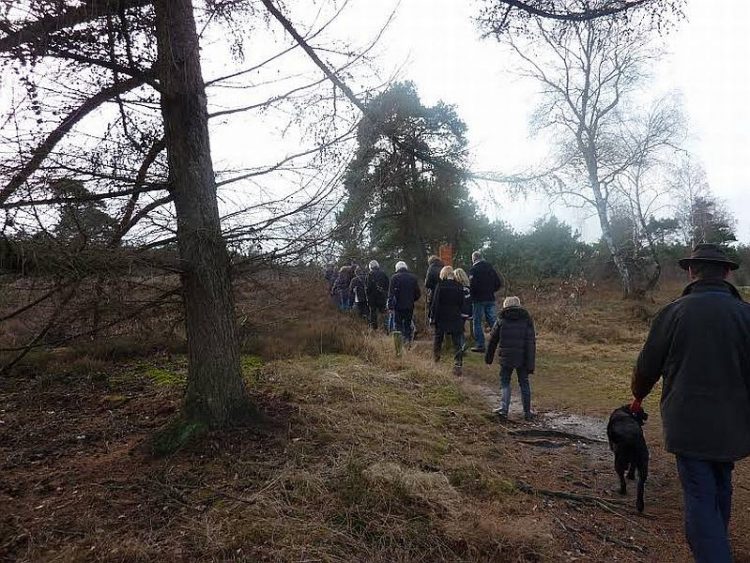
362	309
374	310
480	310
707	492
523	382
343	300
458	345
403	318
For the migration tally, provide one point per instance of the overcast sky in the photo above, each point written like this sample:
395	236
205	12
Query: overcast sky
436	44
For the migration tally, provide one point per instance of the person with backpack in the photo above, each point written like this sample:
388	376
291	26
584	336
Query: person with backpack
446	317
376	290
358	293
514	337
403	293
484	282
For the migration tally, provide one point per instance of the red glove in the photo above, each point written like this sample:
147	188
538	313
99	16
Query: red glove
635	406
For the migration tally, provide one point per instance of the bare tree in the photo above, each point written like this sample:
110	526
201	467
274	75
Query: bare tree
650	142
498	17
587	73
701	217
110	93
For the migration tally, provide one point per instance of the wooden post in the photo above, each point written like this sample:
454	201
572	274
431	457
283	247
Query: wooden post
446	254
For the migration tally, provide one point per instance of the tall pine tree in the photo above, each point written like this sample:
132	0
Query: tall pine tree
406	185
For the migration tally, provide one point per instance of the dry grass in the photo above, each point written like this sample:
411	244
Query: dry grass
362	456
356	461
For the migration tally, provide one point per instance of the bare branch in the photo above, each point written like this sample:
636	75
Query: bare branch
45	148
40	29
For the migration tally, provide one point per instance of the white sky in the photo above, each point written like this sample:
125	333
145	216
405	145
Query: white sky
436	44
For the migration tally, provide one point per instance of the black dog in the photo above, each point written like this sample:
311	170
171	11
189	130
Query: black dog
627	442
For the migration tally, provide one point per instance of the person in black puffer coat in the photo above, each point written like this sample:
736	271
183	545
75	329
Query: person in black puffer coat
402	293
463	278
514	334
446	316
376	287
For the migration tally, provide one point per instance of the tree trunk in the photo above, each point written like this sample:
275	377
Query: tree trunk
653	278
421	252
601	210
622	268
216	393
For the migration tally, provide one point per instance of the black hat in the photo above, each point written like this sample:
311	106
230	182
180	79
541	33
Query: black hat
705	252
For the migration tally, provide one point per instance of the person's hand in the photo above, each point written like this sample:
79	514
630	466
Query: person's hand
635	406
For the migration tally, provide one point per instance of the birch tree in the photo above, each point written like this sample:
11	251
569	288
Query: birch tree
588	73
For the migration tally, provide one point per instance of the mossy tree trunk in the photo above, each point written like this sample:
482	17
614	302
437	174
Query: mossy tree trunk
216	393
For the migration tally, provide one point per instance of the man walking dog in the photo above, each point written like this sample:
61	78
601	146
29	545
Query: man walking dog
700	345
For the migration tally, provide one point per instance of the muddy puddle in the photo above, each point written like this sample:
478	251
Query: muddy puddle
551	429
591	428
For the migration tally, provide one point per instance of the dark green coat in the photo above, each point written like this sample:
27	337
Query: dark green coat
700	345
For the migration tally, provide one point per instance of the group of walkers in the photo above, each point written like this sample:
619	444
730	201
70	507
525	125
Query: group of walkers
699	345
453	298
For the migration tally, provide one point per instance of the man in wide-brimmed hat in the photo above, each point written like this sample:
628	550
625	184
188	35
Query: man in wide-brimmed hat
700	345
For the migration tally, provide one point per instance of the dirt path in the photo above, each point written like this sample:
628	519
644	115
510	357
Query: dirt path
576	485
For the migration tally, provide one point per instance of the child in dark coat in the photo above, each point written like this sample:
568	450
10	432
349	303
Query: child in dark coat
513	335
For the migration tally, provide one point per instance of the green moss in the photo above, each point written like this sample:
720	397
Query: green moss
162	376
252	368
251	362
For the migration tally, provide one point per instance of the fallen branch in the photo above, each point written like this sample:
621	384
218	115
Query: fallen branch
588	499
608	508
616	541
